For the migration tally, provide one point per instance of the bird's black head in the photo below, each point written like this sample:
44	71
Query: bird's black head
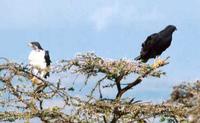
35	45
171	28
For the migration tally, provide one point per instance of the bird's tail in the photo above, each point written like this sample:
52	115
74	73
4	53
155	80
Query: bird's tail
141	59
138	58
46	75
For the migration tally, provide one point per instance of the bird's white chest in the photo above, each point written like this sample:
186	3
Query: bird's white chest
37	59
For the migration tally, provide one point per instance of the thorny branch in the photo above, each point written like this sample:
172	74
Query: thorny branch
26	100
139	79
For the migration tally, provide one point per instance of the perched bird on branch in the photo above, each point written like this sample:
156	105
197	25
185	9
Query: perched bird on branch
39	60
156	43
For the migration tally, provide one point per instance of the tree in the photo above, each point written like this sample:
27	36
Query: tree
24	95
188	95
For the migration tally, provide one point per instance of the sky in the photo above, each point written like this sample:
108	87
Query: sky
110	28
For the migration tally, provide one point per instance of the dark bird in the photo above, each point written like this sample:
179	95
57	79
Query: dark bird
39	60
156	43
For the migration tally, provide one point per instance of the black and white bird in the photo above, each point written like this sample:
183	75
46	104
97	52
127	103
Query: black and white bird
156	43
39	60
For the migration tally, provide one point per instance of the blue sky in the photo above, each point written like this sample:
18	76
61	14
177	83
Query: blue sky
111	28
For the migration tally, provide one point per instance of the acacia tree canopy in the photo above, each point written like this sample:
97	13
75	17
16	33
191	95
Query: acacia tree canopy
25	95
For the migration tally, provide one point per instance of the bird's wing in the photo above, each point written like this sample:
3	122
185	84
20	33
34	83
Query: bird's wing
151	41
47	58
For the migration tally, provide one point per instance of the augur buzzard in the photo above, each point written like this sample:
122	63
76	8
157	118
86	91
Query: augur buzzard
156	43
39	60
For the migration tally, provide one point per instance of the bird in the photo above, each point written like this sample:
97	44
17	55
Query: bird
39	60
156	43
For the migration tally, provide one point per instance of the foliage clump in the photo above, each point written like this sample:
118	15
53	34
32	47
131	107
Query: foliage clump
188	96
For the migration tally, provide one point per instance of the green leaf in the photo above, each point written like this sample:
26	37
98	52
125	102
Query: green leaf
162	119
21	79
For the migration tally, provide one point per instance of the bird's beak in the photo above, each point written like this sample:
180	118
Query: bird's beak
30	45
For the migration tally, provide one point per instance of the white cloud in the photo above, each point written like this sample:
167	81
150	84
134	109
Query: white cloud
101	17
124	13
